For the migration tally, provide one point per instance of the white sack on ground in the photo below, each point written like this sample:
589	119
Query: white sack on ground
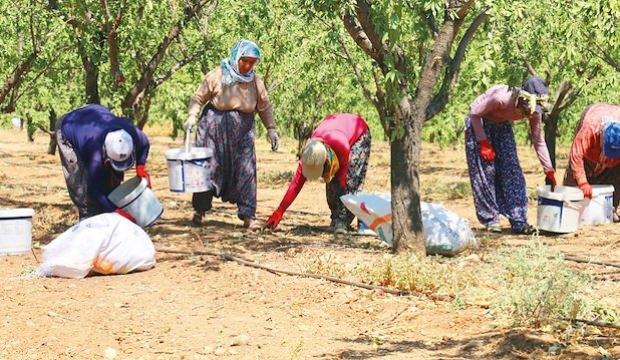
446	232
106	244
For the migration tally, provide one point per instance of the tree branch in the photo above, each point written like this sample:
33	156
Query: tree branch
147	75
361	39
431	24
349	58
112	38
363	16
452	71
464	9
176	67
16	76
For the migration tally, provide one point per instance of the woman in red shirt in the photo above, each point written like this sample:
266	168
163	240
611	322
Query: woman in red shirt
337	151
595	154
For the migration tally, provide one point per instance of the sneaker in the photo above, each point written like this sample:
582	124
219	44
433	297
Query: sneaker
494	228
339	228
197	219
251	224
527	230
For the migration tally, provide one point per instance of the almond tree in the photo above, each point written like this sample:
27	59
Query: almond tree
128	49
416	48
25	34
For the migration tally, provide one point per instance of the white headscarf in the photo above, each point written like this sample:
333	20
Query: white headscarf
230	66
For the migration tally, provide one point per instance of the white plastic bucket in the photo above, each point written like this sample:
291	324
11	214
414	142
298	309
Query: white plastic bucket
17	123
188	169
135	197
599	209
558	211
15	231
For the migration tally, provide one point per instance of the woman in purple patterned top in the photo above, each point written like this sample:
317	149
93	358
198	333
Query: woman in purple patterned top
497	181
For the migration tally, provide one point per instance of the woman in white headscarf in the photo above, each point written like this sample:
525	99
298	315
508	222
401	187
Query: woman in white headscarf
232	93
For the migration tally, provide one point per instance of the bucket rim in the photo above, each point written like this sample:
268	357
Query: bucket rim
8	213
561	193
602	189
121	197
193	153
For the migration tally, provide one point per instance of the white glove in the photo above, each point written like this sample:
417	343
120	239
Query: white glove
274	139
189	124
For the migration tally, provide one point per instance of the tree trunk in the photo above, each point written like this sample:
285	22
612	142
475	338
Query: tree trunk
551	129
405	183
92	79
51	148
405	153
30	128
564	97
141	114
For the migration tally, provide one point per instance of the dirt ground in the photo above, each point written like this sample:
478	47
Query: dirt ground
204	307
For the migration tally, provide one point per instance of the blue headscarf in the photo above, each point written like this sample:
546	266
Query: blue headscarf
230	66
611	137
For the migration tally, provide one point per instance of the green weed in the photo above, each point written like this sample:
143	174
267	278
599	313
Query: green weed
277	178
416	274
326	264
537	287
459	190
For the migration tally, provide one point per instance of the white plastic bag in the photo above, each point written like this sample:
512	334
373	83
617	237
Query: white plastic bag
446	232
374	209
106	244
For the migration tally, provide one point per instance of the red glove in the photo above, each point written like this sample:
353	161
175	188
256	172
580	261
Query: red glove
274	219
586	189
125	214
550	174
141	172
486	150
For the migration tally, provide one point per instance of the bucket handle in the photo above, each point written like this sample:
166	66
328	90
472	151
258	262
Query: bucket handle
573	205
187	139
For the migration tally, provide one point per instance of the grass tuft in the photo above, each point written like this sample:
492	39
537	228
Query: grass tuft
276	178
538	288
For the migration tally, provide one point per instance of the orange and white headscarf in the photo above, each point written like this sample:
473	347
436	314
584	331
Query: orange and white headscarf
331	166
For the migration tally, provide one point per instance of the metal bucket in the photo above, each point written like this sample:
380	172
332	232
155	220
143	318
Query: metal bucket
189	168
135	197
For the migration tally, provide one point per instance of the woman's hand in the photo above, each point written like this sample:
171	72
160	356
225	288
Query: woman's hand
273	220
586	188
143	174
550	175
274	138
189	124
486	150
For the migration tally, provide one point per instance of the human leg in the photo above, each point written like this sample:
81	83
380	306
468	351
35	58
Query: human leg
341	217
231	134
482	180
201	202
511	192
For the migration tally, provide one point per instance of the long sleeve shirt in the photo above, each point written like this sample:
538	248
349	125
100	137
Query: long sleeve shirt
498	104
588	144
240	96
86	128
340	132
